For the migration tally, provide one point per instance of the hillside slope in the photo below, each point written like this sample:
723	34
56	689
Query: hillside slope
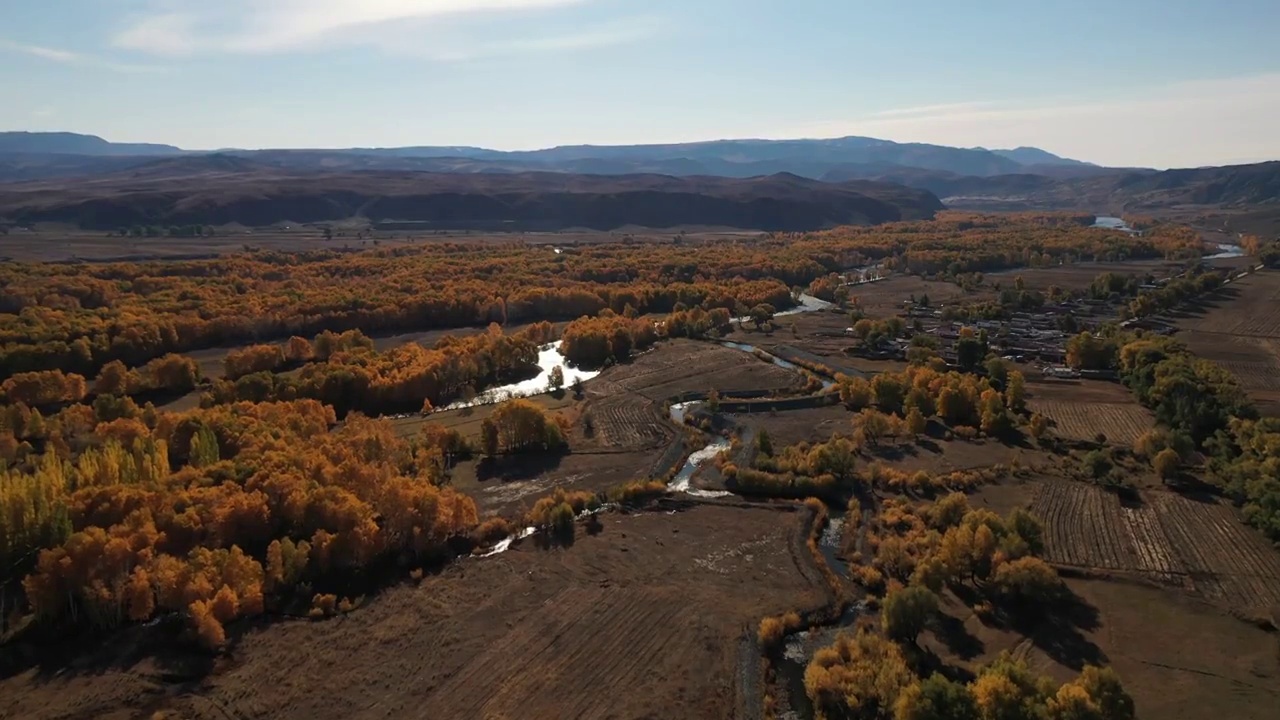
219	190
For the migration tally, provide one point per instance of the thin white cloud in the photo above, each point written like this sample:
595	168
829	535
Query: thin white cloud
1187	124
932	110
450	48
66	57
185	27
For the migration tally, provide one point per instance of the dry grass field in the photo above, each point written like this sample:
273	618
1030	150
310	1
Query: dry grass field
641	620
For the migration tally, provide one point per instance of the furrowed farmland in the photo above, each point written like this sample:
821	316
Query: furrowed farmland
1199	546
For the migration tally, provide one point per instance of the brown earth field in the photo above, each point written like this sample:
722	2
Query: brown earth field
937	456
685	365
1080	409
1172	592
1178	657
1239	329
790	427
1197	544
640	620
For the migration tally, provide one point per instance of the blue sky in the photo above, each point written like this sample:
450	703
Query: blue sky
1126	82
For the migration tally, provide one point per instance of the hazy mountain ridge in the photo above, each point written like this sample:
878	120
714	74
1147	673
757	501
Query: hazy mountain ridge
218	190
981	179
730	158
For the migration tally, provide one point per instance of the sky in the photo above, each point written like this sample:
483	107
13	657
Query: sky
1152	83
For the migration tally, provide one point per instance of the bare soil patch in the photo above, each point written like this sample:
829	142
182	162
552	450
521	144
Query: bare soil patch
641	620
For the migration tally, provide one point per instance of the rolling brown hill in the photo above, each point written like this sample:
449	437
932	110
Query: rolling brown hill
221	189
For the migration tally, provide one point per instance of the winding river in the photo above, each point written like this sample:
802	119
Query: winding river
549	358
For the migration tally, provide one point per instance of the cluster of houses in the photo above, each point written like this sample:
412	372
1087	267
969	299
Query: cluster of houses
1036	337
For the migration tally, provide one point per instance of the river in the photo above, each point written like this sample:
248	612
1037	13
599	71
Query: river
1226	251
549	358
1112	223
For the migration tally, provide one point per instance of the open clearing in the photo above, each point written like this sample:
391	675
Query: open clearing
1198	545
641	620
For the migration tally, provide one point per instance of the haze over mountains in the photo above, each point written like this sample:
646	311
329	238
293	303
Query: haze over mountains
759	184
727	158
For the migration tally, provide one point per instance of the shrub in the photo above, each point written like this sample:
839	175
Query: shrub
638	492
491	531
771	633
323	605
1167	464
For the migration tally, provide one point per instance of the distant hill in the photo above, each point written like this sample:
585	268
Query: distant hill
1230	187
219	190
64	143
727	158
1028	156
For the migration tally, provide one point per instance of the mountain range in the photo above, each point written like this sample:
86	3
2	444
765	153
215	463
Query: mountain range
759	184
33	156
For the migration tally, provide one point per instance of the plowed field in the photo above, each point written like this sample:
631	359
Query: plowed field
1239	329
1202	547
639	621
1122	423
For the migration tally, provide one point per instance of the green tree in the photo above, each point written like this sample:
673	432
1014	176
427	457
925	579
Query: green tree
969	353
764	444
889	393
838	457
907	612
1028	581
997	372
936	699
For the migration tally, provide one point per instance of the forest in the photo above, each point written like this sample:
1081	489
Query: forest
79	317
